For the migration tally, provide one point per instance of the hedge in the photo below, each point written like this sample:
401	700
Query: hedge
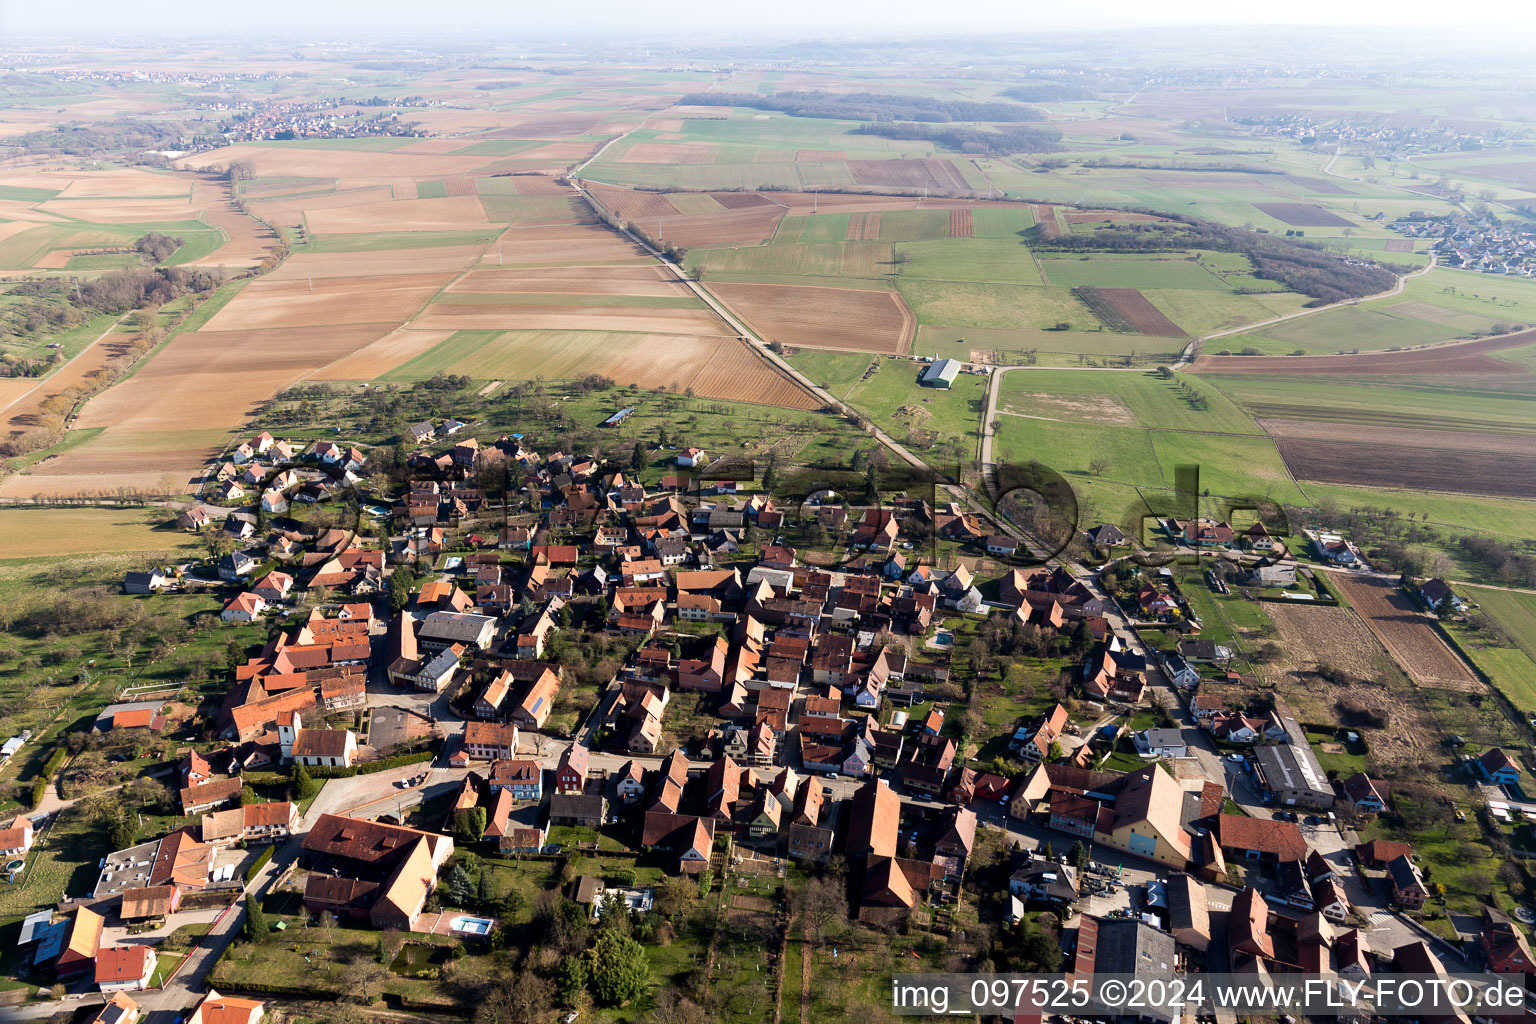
381	765
55	762
39	790
260	862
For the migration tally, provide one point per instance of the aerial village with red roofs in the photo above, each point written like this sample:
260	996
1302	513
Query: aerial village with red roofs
533	694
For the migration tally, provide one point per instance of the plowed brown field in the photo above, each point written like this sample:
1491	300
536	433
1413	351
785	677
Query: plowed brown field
1406	633
1303	215
1359	433
247	240
940	174
453	213
573	244
1461	357
1405	466
670	153
632	204
337	300
750	226
1128	309
445	259
740	200
810	317
379	357
482	317
651	280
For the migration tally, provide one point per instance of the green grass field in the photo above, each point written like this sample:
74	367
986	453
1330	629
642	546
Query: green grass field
1460	402
23	194
1131	272
379	241
1340	330
533	209
1142	427
36	532
1004	260
1516	613
998	306
431	190
1123	399
1051	348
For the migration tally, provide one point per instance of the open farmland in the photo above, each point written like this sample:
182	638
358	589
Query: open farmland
488	317
1303	215
378	358
837	318
1412	468
1461	357
1406	633
1515	612
650	280
447	214
1335	640
269	303
1126	309
935	174
714	367
26	532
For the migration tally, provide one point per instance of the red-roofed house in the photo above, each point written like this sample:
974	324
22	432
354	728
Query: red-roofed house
124	968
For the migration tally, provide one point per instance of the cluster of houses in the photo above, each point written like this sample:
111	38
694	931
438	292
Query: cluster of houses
798	663
1476	241
279	473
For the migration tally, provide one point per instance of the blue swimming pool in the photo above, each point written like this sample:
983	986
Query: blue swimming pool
472	925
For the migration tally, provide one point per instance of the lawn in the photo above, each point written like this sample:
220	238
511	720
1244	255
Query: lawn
835	371
63	864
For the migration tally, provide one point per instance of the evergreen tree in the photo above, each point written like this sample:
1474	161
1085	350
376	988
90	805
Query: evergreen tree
619	969
303	784
401	583
638	460
255	920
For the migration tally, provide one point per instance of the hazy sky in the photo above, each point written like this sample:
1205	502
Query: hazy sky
511	18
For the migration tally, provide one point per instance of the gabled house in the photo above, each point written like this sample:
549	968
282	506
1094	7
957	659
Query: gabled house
1365	794
1498	767
1406	883
1504	945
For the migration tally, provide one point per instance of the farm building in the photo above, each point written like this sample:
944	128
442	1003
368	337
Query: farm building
617	418
941	374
